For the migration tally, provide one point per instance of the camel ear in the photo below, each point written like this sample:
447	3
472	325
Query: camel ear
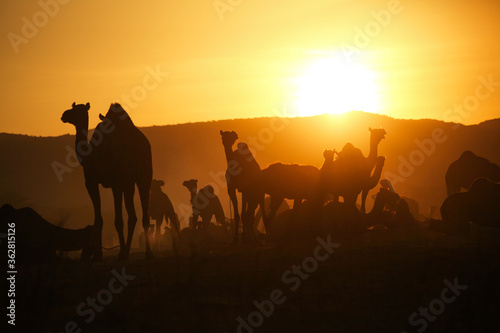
161	182
87	105
220	132
101	116
325	152
73	105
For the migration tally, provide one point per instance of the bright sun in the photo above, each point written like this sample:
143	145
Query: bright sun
333	85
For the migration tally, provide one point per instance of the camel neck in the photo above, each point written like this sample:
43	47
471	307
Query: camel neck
193	191
81	140
228	149
373	150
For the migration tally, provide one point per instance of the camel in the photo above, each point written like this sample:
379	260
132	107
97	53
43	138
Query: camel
161	207
289	181
118	156
39	240
463	172
349	174
413	205
206	204
376	135
479	205
391	210
242	174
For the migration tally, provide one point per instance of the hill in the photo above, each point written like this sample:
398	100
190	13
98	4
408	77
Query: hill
418	153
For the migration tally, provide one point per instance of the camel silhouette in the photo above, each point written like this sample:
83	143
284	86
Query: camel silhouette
349	174
118	156
413	205
206	204
37	240
469	167
242	174
289	181
161	207
390	210
376	135
479	205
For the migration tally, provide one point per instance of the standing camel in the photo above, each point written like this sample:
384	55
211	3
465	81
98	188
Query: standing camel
118	156
242	174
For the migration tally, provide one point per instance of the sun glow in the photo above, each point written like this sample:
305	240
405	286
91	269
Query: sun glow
334	85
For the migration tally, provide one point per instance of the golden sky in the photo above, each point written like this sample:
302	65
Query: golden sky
246	58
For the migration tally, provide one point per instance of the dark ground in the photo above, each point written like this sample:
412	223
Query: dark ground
373	282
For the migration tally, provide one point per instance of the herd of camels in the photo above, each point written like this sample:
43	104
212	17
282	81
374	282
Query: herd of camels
118	156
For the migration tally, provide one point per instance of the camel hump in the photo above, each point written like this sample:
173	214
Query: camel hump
209	189
467	155
482	184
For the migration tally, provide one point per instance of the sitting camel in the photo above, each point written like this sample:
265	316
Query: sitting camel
206	204
412	204
160	206
469	167
38	240
479	205
390	210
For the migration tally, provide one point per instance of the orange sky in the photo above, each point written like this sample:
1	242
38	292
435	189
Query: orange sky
426	57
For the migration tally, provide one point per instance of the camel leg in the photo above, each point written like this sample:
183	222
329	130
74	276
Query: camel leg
195	222
250	219
364	194
275	205
132	220
93	190
118	201
249	204
144	188
234	201
174	221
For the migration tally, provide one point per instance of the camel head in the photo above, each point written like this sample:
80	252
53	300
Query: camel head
156	185
78	115
377	134
191	184
228	138
329	154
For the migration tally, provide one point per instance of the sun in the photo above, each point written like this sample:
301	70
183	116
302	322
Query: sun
334	85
